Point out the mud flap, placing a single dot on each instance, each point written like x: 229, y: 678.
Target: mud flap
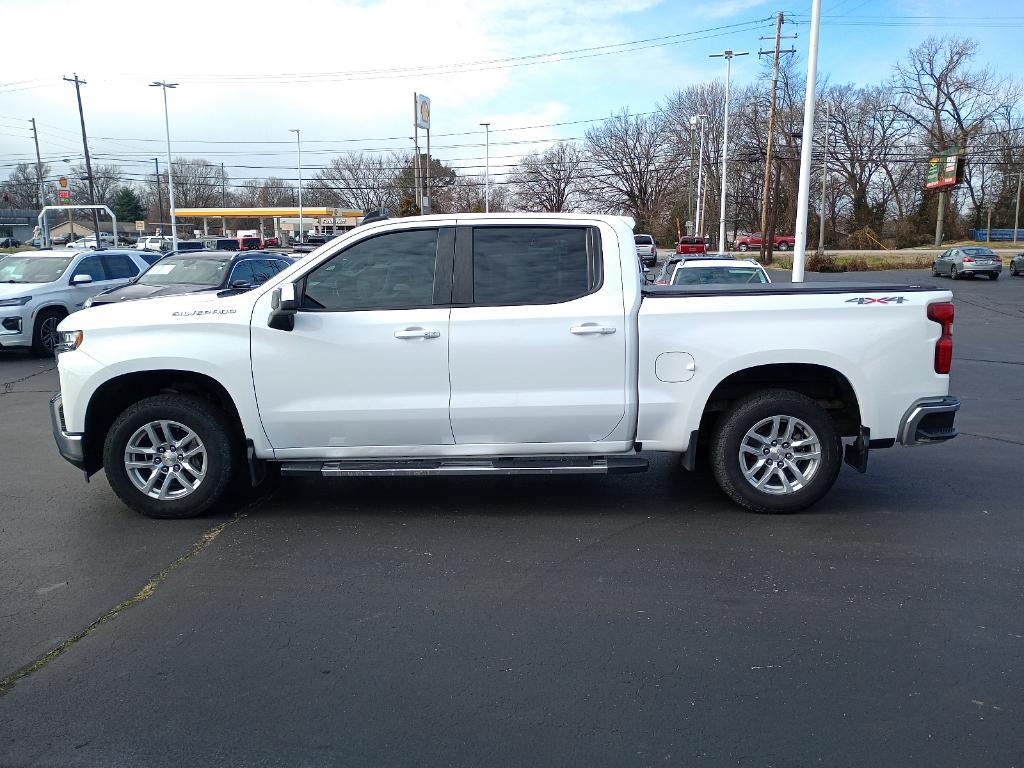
x: 856, y: 453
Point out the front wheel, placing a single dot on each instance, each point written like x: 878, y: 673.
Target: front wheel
x: 744, y: 247
x: 776, y: 451
x: 954, y: 273
x: 171, y: 456
x: 783, y: 246
x: 44, y: 332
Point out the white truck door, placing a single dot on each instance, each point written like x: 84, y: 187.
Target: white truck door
x: 538, y: 336
x: 367, y: 361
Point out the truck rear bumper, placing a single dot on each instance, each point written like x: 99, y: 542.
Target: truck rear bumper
x: 930, y: 421
x: 69, y: 446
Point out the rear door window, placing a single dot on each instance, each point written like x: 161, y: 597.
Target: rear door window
x: 531, y: 265
x: 119, y: 267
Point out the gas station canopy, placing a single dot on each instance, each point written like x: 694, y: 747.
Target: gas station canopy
x: 252, y: 213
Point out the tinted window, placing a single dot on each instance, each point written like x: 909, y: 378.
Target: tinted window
x: 264, y: 269
x: 391, y: 271
x: 643, y: 240
x: 119, y: 267
x: 529, y: 265
x: 242, y: 271
x: 92, y: 267
x: 150, y: 257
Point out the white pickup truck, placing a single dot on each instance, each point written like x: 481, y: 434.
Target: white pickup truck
x: 498, y: 344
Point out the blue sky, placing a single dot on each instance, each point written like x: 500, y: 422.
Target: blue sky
x: 229, y: 66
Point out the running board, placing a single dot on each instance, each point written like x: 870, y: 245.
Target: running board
x: 540, y: 465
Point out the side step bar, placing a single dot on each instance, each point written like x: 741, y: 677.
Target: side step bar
x: 532, y: 465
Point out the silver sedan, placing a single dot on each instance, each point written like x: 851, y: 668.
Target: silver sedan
x: 967, y: 262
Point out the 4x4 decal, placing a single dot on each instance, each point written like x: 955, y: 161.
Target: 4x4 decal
x: 872, y: 300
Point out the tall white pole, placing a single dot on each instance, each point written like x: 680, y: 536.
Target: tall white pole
x: 800, y: 249
x: 170, y: 165
x: 487, y: 167
x: 1016, y: 212
x: 298, y: 144
x: 727, y: 54
x: 700, y: 181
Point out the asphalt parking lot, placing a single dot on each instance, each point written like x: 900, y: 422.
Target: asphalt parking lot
x: 628, y: 620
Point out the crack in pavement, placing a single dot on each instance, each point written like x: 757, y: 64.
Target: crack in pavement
x: 204, y: 541
x: 9, y: 385
x: 990, y: 437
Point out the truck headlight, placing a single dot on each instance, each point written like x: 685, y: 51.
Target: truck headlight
x: 69, y: 341
x: 19, y: 302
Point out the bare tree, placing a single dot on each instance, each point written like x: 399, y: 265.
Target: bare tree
x: 21, y: 189
x: 196, y: 183
x: 549, y: 181
x: 107, y: 180
x: 363, y: 181
x: 635, y: 166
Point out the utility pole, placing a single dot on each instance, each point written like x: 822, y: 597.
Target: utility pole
x: 40, y: 194
x: 689, y: 174
x: 487, y: 167
x: 824, y: 177
x: 223, y: 200
x: 88, y: 162
x: 728, y: 56
x: 159, y: 194
x: 698, y: 223
x: 298, y: 144
x: 804, y: 190
x: 771, y: 126
x: 1016, y: 212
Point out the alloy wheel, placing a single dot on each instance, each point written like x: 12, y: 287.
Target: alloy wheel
x: 780, y: 455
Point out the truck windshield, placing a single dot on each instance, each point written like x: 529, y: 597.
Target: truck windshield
x: 33, y: 269
x: 186, y: 270
x: 718, y: 275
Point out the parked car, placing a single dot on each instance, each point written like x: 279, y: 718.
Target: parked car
x: 9, y: 242
x: 190, y: 245
x: 688, y: 246
x: 310, y: 372
x: 272, y: 242
x: 220, y: 243
x: 719, y: 272
x: 198, y: 271
x: 664, y: 276
x: 968, y: 261
x: 250, y: 244
x: 40, y: 288
x: 154, y: 243
x: 1017, y: 265
x: 646, y: 249
x: 106, y: 240
x: 752, y: 242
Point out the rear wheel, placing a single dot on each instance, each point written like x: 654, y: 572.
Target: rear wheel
x: 783, y: 246
x: 776, y: 451
x: 744, y: 247
x: 1013, y: 270
x: 171, y: 456
x: 44, y: 332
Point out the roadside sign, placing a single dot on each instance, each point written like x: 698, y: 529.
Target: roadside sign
x: 944, y: 169
x: 140, y: 226
x: 63, y: 182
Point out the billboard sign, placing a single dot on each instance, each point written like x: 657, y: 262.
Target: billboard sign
x: 944, y: 169
x: 422, y: 111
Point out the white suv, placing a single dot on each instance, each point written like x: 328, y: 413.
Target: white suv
x: 155, y: 243
x: 39, y: 289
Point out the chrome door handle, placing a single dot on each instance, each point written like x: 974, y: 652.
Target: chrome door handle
x: 587, y: 329
x: 416, y: 333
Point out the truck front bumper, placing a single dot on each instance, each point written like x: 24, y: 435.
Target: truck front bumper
x: 930, y: 421
x: 68, y: 445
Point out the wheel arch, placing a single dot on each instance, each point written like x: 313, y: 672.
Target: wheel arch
x: 828, y: 386
x: 115, y: 395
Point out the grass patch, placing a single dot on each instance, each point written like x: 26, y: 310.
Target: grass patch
x: 873, y: 263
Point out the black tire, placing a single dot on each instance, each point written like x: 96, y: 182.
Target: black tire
x: 744, y: 415
x: 744, y: 247
x: 43, y: 338
x: 935, y: 271
x: 210, y: 425
x: 954, y: 273
x: 1013, y: 270
x: 783, y: 246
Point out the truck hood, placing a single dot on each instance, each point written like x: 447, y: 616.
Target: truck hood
x: 139, y: 291
x: 164, y: 312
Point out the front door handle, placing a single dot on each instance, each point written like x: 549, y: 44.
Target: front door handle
x: 588, y: 329
x: 416, y: 333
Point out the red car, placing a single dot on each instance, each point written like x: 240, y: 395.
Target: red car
x: 691, y: 246
x: 250, y: 244
x: 272, y: 242
x: 753, y: 242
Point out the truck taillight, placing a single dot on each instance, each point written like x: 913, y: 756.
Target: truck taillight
x: 942, y: 313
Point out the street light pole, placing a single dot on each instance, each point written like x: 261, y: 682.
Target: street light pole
x: 800, y: 249
x: 727, y: 55
x: 170, y: 165
x: 298, y: 144
x: 487, y: 167
x: 159, y: 194
x: 1016, y: 212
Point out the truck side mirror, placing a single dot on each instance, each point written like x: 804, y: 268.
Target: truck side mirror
x: 283, y: 306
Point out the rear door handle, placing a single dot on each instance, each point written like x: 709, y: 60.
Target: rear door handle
x: 417, y: 333
x: 589, y: 329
